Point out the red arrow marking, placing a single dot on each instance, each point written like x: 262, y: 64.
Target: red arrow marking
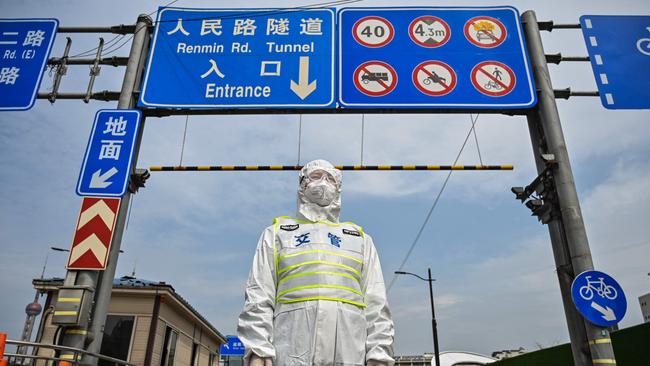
x: 493, y: 78
x: 379, y: 80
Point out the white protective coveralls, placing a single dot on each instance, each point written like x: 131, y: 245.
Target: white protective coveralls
x: 315, y: 293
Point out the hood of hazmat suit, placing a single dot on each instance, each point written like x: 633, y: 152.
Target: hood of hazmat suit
x: 319, y: 192
x: 315, y: 294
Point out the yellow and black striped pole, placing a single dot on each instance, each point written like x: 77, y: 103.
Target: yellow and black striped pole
x: 228, y: 168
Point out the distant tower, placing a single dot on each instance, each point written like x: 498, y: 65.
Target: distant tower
x: 32, y: 310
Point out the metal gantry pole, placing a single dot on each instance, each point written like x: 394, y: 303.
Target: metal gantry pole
x: 128, y: 100
x: 434, y: 323
x: 88, y: 333
x: 590, y: 344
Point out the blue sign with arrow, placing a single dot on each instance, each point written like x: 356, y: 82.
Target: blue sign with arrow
x: 234, y: 347
x: 599, y: 298
x: 25, y: 46
x: 107, y: 164
x: 241, y: 58
x: 433, y: 57
x: 619, y: 51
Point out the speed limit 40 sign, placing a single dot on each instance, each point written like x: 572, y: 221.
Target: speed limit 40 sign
x: 373, y: 31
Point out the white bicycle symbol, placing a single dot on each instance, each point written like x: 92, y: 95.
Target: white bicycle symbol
x: 599, y: 287
x: 643, y: 45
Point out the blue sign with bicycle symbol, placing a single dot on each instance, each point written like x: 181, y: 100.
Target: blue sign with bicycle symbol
x: 599, y: 298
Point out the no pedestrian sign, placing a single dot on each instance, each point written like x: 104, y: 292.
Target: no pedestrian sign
x: 241, y: 58
x: 432, y: 57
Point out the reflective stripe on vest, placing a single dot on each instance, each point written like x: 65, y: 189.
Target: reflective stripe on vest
x: 319, y: 272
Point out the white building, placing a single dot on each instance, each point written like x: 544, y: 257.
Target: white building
x: 644, y: 301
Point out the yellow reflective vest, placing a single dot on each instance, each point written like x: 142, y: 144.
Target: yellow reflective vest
x: 318, y: 261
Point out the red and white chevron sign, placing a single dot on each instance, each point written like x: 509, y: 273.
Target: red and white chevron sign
x: 92, y: 238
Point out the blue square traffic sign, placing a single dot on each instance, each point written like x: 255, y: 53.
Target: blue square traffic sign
x: 241, y: 58
x: 107, y: 164
x: 25, y: 46
x: 619, y: 50
x: 433, y: 57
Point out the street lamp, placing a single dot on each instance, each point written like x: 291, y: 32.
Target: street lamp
x: 434, y: 325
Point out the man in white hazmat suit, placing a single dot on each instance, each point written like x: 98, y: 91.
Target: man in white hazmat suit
x: 315, y: 294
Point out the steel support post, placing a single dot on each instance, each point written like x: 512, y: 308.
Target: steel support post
x: 590, y: 344
x: 128, y: 100
x: 80, y: 335
x: 434, y: 323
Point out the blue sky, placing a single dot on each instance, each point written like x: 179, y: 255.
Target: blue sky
x: 496, y: 286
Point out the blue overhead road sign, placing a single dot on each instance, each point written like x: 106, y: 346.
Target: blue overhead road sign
x: 107, y: 164
x: 25, y: 45
x: 433, y: 57
x: 599, y: 298
x: 234, y: 347
x: 619, y: 50
x: 241, y: 58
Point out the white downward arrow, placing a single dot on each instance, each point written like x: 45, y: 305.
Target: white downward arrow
x: 99, y: 180
x: 100, y: 209
x: 608, y: 313
x: 303, y: 88
x: 91, y: 243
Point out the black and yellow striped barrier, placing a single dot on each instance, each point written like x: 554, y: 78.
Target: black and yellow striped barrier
x: 340, y: 167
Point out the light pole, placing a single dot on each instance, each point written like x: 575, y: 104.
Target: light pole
x: 434, y: 324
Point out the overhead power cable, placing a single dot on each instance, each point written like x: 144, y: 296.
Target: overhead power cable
x: 433, y: 206
x: 248, y: 14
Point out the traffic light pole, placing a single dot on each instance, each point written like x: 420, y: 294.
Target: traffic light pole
x: 590, y: 344
x: 90, y: 333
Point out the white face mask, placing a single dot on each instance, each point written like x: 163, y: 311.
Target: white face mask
x: 320, y: 192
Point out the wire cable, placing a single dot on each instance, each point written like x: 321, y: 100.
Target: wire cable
x: 478, y: 148
x: 187, y: 117
x: 363, y: 122
x: 433, y: 207
x: 299, y: 138
x: 115, y: 39
x: 248, y: 14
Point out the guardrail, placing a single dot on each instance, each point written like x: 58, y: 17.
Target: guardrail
x: 30, y: 353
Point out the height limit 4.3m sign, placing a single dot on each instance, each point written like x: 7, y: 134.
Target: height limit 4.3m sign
x: 241, y: 58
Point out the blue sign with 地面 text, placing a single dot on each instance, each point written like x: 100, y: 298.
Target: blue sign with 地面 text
x: 106, y: 167
x: 619, y: 51
x: 433, y: 57
x: 234, y: 347
x: 241, y: 58
x: 25, y: 45
x: 599, y: 298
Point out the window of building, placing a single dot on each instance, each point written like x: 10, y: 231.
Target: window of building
x: 117, y: 338
x: 195, y: 354
x: 169, y: 347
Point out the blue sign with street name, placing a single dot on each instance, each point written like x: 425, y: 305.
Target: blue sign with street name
x: 107, y: 164
x: 234, y: 347
x: 433, y: 57
x: 241, y: 58
x: 619, y: 51
x: 599, y: 298
x: 25, y: 46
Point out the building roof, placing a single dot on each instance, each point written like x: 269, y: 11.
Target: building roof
x: 127, y: 282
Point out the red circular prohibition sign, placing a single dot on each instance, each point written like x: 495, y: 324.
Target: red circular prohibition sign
x: 495, y: 85
x: 375, y: 74
x: 438, y: 43
x: 429, y: 78
x: 486, y: 34
x: 385, y: 22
